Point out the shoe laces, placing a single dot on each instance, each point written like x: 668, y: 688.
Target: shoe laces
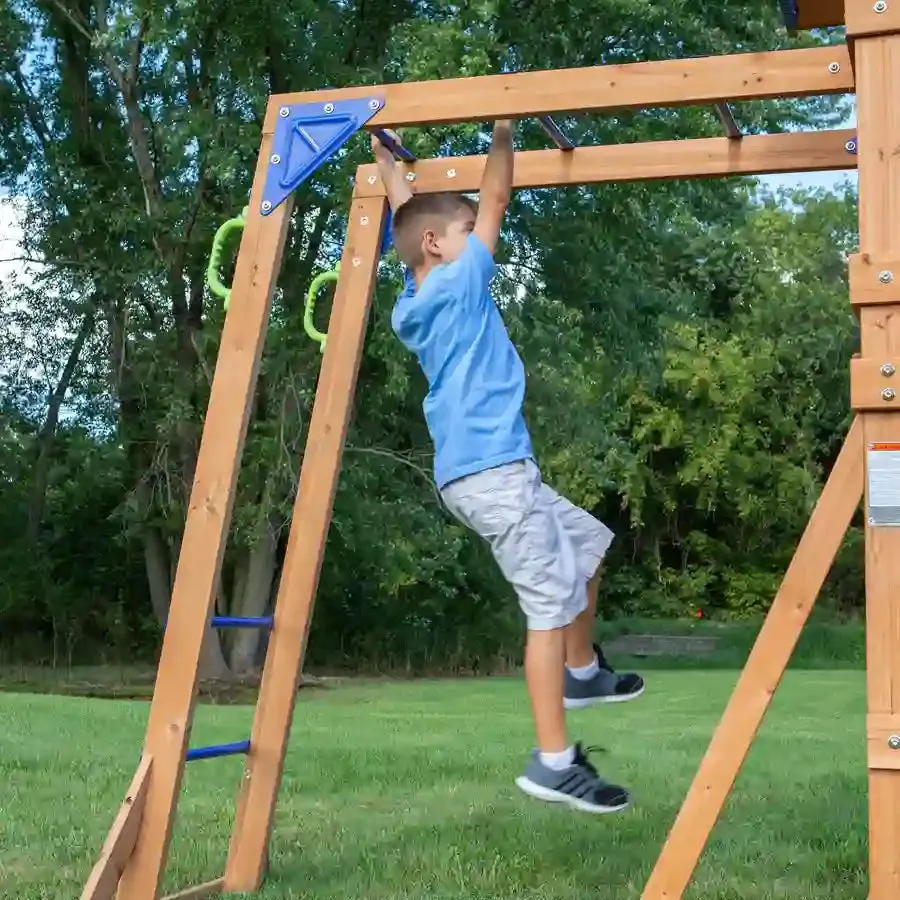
x: 581, y: 757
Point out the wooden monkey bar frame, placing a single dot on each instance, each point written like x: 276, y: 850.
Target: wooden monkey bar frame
x: 133, y: 859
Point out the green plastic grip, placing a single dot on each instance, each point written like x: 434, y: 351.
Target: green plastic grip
x: 310, y: 307
x: 220, y: 241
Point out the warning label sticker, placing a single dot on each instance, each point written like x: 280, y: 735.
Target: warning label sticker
x: 883, y: 470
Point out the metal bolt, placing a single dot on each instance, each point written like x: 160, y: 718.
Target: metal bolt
x: 451, y: 173
x: 894, y: 742
x: 284, y: 112
x: 266, y: 206
x: 356, y: 260
x: 372, y: 179
x: 880, y: 6
x: 888, y: 394
x: 374, y: 104
x: 274, y: 159
x: 834, y: 68
x: 886, y: 277
x: 364, y: 220
x: 410, y: 176
x: 850, y: 146
x: 888, y: 369
x: 329, y: 107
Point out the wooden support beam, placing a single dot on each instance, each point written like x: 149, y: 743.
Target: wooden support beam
x: 808, y: 151
x: 875, y: 384
x: 206, y: 528
x: 820, y: 13
x: 878, y: 116
x: 871, y: 18
x: 874, y: 279
x: 104, y: 879
x: 200, y: 892
x: 675, y: 82
x: 306, y: 544
x: 769, y: 658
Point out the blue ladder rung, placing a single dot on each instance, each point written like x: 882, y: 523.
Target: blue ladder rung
x: 215, y: 750
x: 242, y: 621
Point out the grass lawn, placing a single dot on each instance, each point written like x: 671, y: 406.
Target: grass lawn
x: 405, y: 790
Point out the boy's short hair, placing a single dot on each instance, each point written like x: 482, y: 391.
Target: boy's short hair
x: 422, y: 212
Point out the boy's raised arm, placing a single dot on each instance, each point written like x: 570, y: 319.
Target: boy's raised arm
x: 398, y: 191
x: 496, y: 185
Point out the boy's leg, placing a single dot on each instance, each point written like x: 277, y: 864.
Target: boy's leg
x: 589, y: 678
x: 508, y: 509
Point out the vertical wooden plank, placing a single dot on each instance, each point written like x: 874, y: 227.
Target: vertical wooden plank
x: 878, y: 116
x: 762, y: 673
x: 248, y: 853
x: 205, y: 532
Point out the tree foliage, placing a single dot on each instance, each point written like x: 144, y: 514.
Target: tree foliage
x: 686, y: 342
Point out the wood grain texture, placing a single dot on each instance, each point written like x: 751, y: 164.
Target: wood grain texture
x: 878, y: 116
x: 205, y: 531
x: 675, y: 82
x: 771, y: 653
x: 653, y: 161
x: 103, y: 881
x: 306, y: 544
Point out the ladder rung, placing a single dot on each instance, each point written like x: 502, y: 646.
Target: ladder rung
x: 216, y: 750
x: 556, y: 133
x: 242, y: 621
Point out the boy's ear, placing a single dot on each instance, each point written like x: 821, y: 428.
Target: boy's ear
x: 429, y: 242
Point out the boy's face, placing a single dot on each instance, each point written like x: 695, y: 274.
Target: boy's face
x: 447, y: 246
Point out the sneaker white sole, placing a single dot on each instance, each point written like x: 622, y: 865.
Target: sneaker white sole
x: 584, y: 702
x: 550, y: 796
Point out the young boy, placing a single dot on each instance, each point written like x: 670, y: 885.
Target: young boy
x: 549, y: 550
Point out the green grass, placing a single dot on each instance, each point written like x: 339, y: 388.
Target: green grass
x: 406, y: 791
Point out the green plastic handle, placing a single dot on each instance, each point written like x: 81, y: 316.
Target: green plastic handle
x: 220, y: 241
x: 310, y: 306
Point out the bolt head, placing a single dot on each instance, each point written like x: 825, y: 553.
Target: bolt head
x: 834, y: 68
x: 266, y: 205
x: 894, y: 742
x: 274, y: 159
x: 886, y: 277
x: 284, y: 112
x: 410, y: 176
x: 364, y: 220
x: 850, y: 146
x: 888, y: 369
x: 329, y: 107
x: 888, y: 394
x: 372, y: 179
x: 451, y: 173
x: 374, y: 104
x: 880, y: 6
x: 356, y: 261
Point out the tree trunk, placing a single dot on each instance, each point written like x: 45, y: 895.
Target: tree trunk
x: 255, y: 598
x: 45, y: 438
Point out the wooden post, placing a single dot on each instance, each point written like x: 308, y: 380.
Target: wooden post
x: 765, y: 666
x: 205, y: 532
x: 311, y: 519
x: 877, y: 64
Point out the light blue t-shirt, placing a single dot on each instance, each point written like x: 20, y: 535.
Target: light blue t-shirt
x: 475, y: 377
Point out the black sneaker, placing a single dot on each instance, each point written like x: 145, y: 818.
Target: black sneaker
x: 579, y: 785
x: 607, y: 686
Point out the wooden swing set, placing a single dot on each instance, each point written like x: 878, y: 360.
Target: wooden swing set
x: 301, y: 131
